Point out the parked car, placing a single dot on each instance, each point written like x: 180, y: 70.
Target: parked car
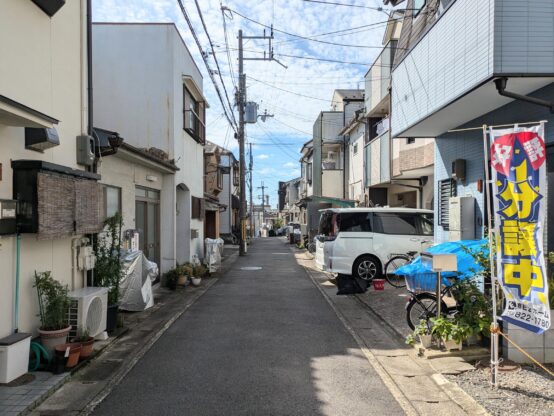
x: 359, y: 241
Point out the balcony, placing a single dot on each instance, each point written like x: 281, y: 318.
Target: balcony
x: 332, y: 184
x: 195, y: 126
x: 446, y: 79
x: 377, y: 81
x: 377, y: 156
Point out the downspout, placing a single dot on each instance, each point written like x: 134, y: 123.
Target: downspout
x: 501, y: 84
x: 390, y: 136
x: 17, y: 274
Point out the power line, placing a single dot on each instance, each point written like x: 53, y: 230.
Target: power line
x: 205, y: 59
x: 227, y: 46
x: 285, y: 90
x: 215, y: 60
x: 306, y: 37
x: 379, y: 9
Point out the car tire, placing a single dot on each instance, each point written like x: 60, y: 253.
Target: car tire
x: 367, y: 267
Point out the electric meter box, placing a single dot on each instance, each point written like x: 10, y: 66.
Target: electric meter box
x: 440, y: 262
x: 8, y: 212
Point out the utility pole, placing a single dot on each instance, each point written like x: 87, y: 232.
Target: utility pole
x: 252, y: 222
x: 263, y: 187
x: 241, y: 104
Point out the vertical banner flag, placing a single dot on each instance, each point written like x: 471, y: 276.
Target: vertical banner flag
x: 518, y: 161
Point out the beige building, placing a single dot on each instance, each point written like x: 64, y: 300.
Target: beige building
x: 43, y: 83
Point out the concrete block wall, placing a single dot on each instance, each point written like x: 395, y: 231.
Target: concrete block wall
x: 540, y: 347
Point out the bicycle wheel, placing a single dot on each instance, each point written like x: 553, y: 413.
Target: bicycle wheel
x: 423, y: 306
x: 390, y: 269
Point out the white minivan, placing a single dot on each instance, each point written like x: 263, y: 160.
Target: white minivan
x: 359, y: 241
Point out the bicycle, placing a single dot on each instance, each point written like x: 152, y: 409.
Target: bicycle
x: 422, y: 304
x: 394, y: 263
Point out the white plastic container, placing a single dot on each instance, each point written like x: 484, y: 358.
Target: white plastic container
x: 14, y: 356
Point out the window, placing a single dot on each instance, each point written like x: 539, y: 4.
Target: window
x: 417, y: 6
x: 356, y: 148
x: 193, y: 116
x: 309, y: 173
x: 410, y: 140
x: 446, y: 189
x: 354, y: 221
x: 235, y: 175
x: 426, y: 224
x: 395, y: 223
x: 197, y: 208
x: 112, y: 200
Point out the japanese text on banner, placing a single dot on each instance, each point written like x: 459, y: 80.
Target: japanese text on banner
x: 518, y: 161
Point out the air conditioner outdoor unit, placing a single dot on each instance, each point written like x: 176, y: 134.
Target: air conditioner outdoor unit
x: 88, y: 310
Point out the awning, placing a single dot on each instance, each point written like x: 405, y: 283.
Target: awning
x: 16, y: 114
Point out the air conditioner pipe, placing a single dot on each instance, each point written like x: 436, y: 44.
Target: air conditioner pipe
x: 501, y: 84
x: 17, y: 275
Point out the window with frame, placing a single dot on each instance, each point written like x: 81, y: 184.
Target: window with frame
x: 194, y: 116
x: 410, y: 140
x: 395, y: 223
x: 309, y: 173
x: 112, y: 200
x: 446, y: 190
x: 417, y: 6
x: 354, y: 221
x: 197, y: 208
x: 235, y: 175
x: 355, y: 148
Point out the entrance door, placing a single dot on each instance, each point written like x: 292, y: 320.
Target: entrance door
x: 147, y: 220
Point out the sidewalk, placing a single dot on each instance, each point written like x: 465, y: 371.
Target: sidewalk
x: 74, y: 393
x: 420, y: 387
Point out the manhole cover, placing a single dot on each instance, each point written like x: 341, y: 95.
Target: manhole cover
x: 251, y: 268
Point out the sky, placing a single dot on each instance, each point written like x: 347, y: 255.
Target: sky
x: 295, y: 95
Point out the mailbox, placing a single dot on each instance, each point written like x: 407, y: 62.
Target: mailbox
x: 439, y: 262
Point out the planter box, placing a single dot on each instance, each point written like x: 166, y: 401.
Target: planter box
x: 14, y: 356
x: 540, y: 347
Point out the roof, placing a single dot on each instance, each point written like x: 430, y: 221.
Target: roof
x: 349, y: 94
x: 381, y: 209
x: 149, y: 155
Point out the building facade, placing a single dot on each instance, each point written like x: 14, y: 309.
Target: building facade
x: 157, y: 103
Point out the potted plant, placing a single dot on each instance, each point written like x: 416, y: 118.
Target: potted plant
x: 450, y: 333
x: 53, y: 301
x: 71, y: 352
x: 423, y: 332
x: 108, y: 270
x: 185, y: 271
x: 199, y: 272
x: 171, y: 277
x: 86, y: 342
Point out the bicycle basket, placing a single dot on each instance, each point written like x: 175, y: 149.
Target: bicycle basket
x: 421, y: 282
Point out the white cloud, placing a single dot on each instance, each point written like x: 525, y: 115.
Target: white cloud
x: 290, y: 165
x: 262, y: 156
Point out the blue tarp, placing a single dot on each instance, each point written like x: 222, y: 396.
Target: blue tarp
x: 467, y: 266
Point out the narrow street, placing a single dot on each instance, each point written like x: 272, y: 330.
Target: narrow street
x: 259, y: 342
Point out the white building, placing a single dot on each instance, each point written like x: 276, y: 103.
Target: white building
x: 43, y: 82
x: 148, y: 88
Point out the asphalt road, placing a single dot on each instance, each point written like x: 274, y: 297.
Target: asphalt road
x: 262, y: 342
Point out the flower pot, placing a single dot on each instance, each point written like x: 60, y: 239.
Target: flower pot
x: 111, y: 318
x: 50, y: 339
x: 378, y: 284
x: 452, y: 345
x: 426, y: 340
x: 196, y: 281
x: 74, y: 353
x: 182, y: 281
x: 86, y: 347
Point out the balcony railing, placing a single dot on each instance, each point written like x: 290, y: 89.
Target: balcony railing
x: 195, y: 126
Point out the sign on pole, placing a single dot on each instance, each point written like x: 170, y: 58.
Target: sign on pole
x: 518, y: 162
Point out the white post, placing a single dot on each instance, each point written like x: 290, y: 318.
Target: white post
x: 494, y: 325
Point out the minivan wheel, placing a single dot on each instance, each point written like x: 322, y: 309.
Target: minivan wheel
x: 366, y: 268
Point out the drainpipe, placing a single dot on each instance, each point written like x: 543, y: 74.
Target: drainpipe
x: 501, y: 84
x: 17, y: 274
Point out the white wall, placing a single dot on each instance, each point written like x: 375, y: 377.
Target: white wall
x: 40, y: 67
x: 356, y: 164
x: 138, y: 92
